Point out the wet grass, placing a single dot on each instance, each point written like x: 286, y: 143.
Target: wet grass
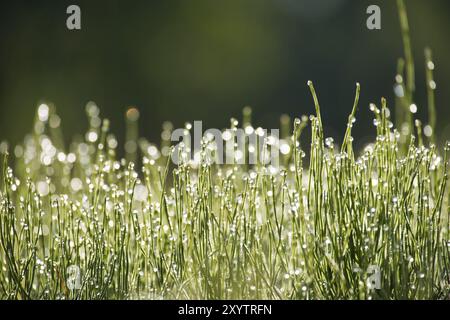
x: 141, y: 227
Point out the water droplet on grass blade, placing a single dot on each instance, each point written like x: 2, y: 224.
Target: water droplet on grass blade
x: 413, y: 108
x: 428, y: 130
x: 398, y: 91
x: 329, y: 142
x: 140, y: 193
x: 43, y: 112
x: 432, y: 84
x: 42, y: 188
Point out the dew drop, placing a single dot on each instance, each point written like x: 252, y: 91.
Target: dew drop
x: 43, y: 112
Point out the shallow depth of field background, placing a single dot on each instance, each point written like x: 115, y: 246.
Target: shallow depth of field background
x: 206, y: 59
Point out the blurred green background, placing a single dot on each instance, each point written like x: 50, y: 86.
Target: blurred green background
x: 206, y: 59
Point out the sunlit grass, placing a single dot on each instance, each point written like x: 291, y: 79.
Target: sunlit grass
x: 311, y: 229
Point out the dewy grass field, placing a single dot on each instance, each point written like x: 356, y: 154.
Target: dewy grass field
x: 330, y: 223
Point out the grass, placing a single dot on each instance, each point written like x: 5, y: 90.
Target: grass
x: 142, y: 228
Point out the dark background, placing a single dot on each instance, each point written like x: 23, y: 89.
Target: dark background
x: 206, y: 59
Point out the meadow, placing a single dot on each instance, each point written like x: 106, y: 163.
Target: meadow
x: 331, y: 222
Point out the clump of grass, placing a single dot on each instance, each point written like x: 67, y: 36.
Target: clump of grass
x: 210, y: 231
